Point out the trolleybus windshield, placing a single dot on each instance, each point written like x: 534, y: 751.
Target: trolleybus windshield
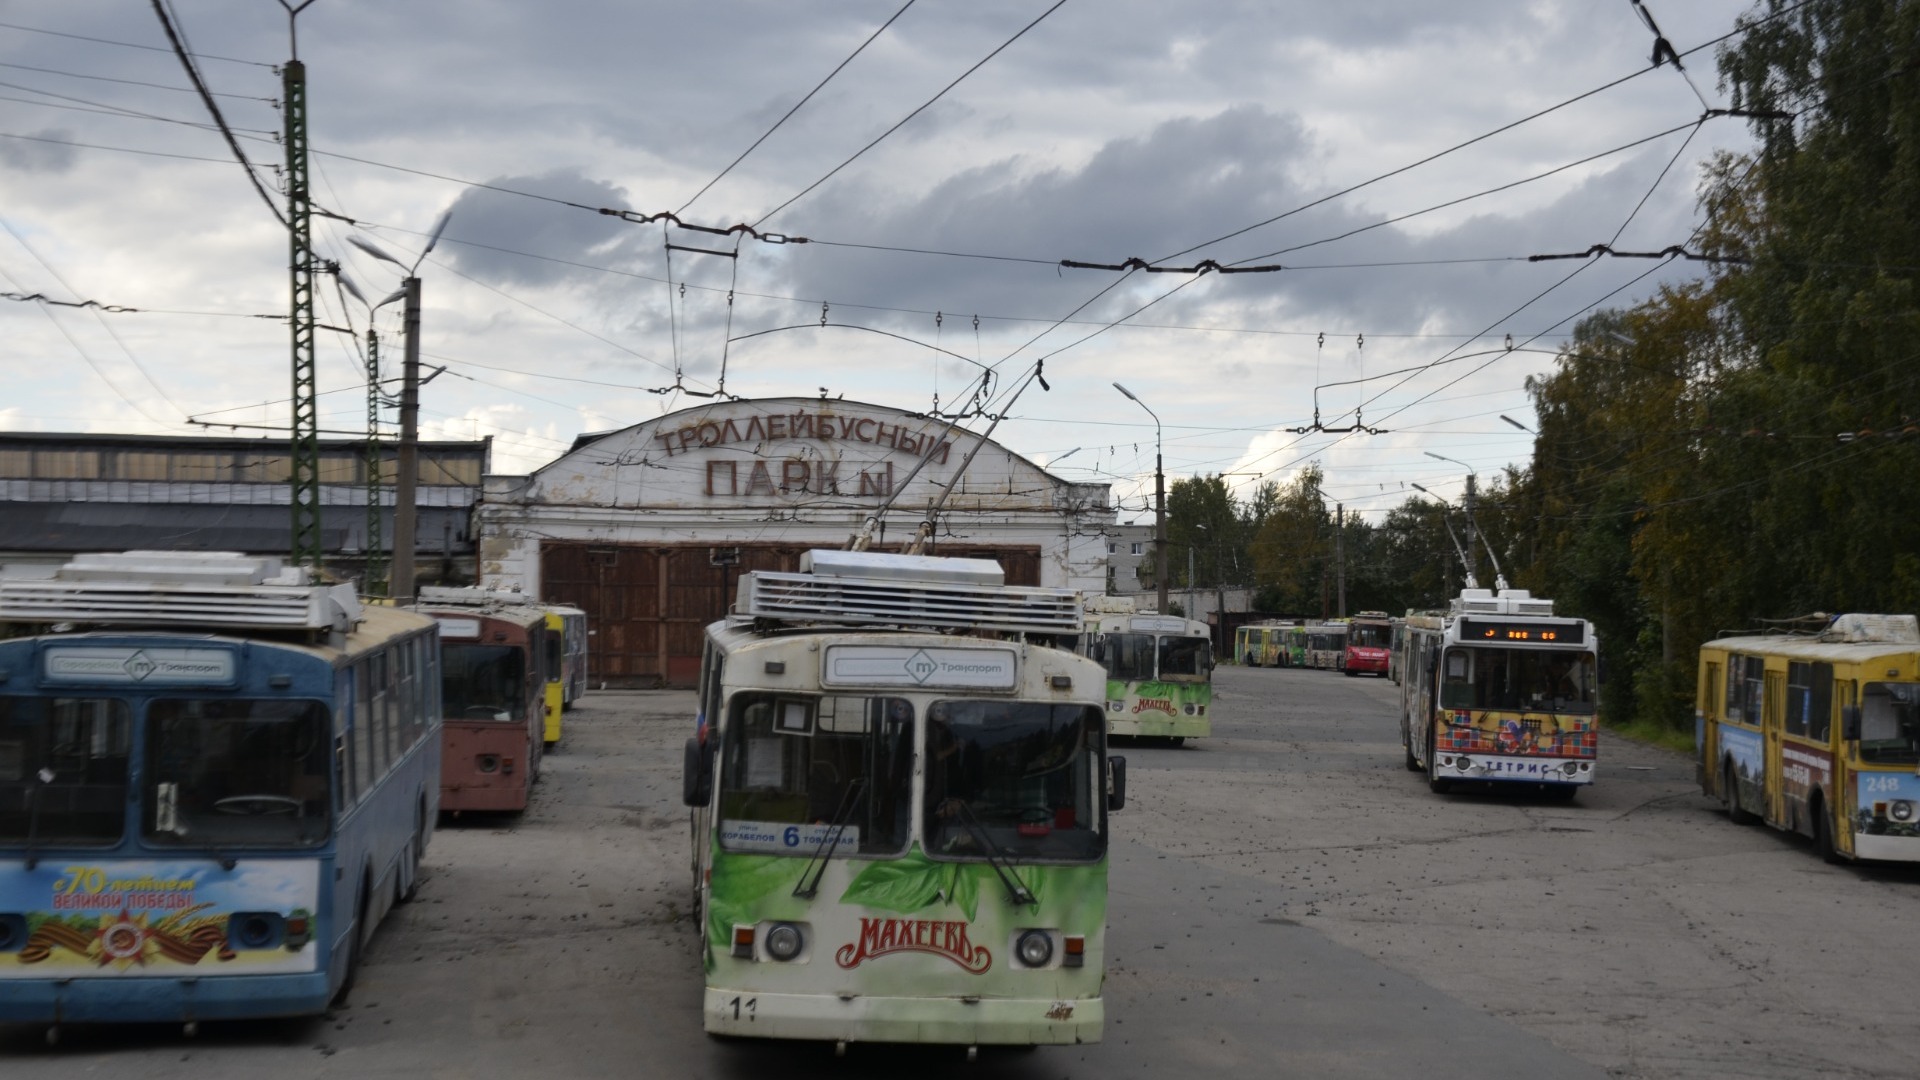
x: 483, y: 682
x: 1542, y: 679
x: 1890, y: 723
x: 63, y: 769
x: 797, y: 768
x: 1185, y: 656
x: 1017, y: 779
x: 1370, y: 635
x: 228, y: 771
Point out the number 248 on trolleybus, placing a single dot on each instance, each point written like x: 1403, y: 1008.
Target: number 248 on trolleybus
x: 1498, y: 689
x: 901, y: 797
x: 215, y: 780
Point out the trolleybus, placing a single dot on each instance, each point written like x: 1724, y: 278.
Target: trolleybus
x: 493, y: 654
x: 1326, y: 646
x: 1260, y: 644
x: 215, y: 779
x: 900, y: 808
x: 1499, y: 689
x: 1369, y: 644
x: 1159, y: 671
x: 566, y: 665
x: 1818, y: 734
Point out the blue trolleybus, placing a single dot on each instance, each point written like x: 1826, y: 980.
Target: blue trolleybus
x: 214, y: 781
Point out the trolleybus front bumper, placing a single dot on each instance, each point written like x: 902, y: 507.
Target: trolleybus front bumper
x: 1458, y: 765
x: 863, y: 1018
x: 141, y: 999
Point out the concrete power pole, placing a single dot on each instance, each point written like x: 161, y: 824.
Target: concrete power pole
x: 405, y: 513
x: 1340, y: 558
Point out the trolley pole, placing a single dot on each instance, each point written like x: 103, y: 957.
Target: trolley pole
x: 1472, y: 533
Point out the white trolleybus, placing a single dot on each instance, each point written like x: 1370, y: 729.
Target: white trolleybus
x: 215, y: 780
x: 1159, y: 670
x: 1498, y: 689
x: 901, y: 798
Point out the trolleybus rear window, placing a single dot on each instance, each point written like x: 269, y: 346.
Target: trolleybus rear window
x: 1016, y: 779
x: 229, y: 771
x: 798, y: 768
x: 63, y: 769
x: 1890, y: 723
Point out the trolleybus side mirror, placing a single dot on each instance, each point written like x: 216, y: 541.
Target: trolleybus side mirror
x: 1116, y: 783
x: 1850, y: 722
x: 696, y: 778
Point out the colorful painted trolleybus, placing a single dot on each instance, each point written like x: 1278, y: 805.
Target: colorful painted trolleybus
x: 1326, y: 646
x: 900, y: 794
x: 1159, y: 671
x: 493, y: 652
x: 215, y: 779
x: 1499, y: 689
x: 1818, y: 733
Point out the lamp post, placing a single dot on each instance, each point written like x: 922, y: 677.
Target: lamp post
x: 406, y: 480
x: 1468, y: 502
x: 1159, y: 503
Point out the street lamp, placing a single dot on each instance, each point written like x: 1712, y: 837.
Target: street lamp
x: 1518, y: 424
x: 1159, y: 503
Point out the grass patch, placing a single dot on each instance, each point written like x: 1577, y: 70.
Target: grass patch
x: 1661, y: 735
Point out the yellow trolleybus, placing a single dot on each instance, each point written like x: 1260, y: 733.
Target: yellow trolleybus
x: 1818, y: 734
x: 900, y: 799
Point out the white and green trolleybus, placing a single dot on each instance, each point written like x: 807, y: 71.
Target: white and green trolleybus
x: 900, y: 790
x: 1159, y: 671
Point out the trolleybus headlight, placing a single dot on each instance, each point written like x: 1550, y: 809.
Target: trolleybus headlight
x: 1463, y: 763
x: 1570, y: 767
x: 1035, y: 948
x: 13, y: 933
x: 1900, y: 810
x: 783, y: 941
x: 255, y: 929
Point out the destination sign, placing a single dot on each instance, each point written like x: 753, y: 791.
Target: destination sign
x: 179, y: 667
x: 1566, y: 632
x: 931, y: 666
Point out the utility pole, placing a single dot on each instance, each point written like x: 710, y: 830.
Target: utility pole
x: 305, y: 466
x: 375, y: 543
x: 1340, y: 558
x: 405, y: 513
x: 1472, y: 532
x: 1190, y: 580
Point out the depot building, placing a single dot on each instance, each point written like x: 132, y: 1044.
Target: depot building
x: 649, y: 527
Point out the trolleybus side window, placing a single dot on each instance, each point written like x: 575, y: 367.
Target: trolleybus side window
x: 1015, y: 778
x: 63, y: 769
x: 1809, y: 700
x: 833, y: 760
x: 248, y: 771
x: 1744, y: 681
x: 1890, y: 723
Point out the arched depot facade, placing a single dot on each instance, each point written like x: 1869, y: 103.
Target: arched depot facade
x: 648, y: 528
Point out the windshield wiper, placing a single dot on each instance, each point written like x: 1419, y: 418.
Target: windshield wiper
x: 830, y: 840
x: 45, y: 777
x: 1017, y: 891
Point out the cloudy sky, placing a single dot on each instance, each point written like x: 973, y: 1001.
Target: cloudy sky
x: 1248, y: 133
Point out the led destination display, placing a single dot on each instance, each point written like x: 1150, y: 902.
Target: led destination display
x: 1570, y: 632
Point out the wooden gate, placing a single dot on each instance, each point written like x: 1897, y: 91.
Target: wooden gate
x: 648, y: 605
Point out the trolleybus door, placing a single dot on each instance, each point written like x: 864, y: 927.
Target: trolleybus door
x: 1773, y: 715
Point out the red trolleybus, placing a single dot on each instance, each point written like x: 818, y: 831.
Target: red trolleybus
x: 493, y: 651
x: 1498, y: 689
x: 215, y: 780
x: 1369, y: 643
